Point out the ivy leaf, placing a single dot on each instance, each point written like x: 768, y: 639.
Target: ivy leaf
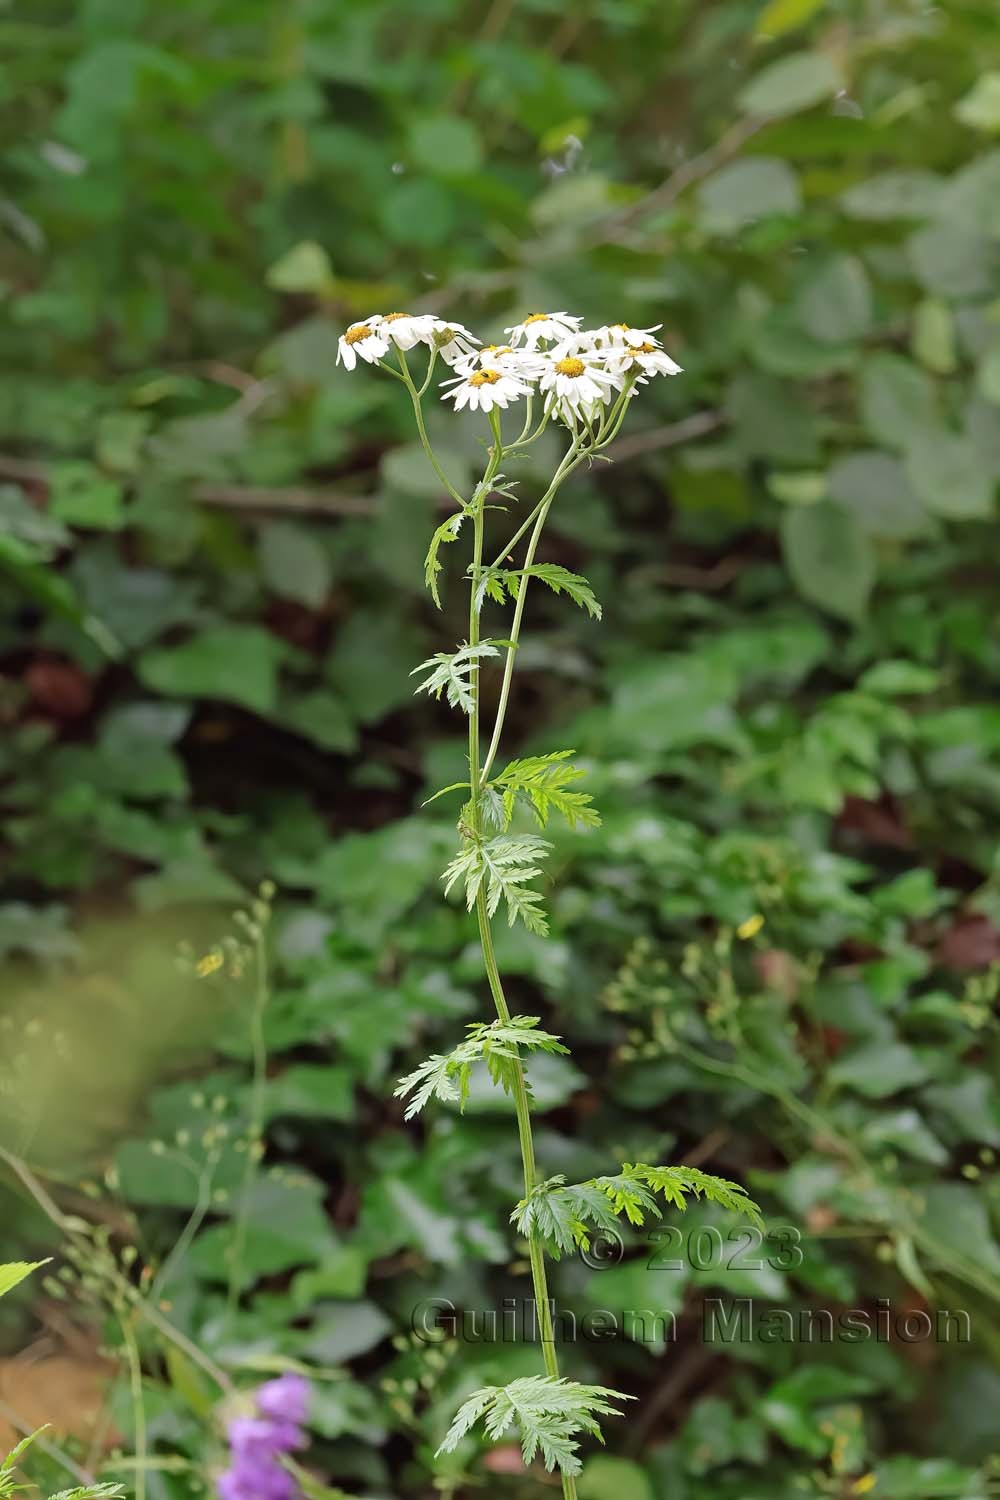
x: 548, y: 1413
x: 543, y: 782
x: 451, y: 674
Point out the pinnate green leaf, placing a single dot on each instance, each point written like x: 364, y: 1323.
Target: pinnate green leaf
x: 549, y: 1414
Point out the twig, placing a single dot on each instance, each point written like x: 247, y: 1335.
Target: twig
x: 695, y: 170
x: 305, y: 501
x: 679, y: 576
x: 697, y: 425
x: 688, y: 1369
x: 494, y: 24
x: 706, y: 1147
x: 227, y: 496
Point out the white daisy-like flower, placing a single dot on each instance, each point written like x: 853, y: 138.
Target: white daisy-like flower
x: 527, y: 364
x: 408, y: 329
x: 577, y: 382
x: 453, y: 341
x: 368, y: 339
x: 638, y: 350
x: 648, y: 357
x: 482, y: 390
x: 554, y: 327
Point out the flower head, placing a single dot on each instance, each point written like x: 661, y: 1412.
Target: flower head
x: 369, y: 339
x: 407, y: 329
x: 285, y: 1399
x: 483, y: 389
x: 453, y: 341
x: 637, y: 350
x: 527, y: 364
x: 544, y: 327
x: 257, y: 1443
x: 577, y: 382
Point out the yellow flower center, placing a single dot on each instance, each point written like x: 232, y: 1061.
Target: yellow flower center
x: 623, y: 326
x: 357, y: 333
x: 484, y: 377
x: 497, y: 349
x: 571, y: 367
x: 646, y: 348
x: 391, y: 317
x: 536, y: 318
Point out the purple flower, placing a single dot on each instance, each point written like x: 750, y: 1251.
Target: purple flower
x: 245, y: 1481
x: 256, y: 1437
x: 257, y: 1443
x: 285, y: 1399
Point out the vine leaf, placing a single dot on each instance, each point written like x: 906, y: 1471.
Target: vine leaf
x: 451, y: 673
x: 561, y: 1214
x: 544, y: 783
x: 504, y: 863
x: 548, y: 1413
x: 446, y: 1077
x: 497, y: 583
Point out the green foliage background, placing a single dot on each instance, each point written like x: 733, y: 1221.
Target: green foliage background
x: 210, y: 604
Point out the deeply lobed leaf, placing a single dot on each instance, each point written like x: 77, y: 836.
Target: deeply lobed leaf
x: 548, y: 1414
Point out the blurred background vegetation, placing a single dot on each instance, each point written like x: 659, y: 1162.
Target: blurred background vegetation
x: 210, y: 601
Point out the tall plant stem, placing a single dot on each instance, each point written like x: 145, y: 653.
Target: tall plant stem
x: 418, y: 414
x: 569, y: 463
x: 255, y: 1131
x: 539, y: 1280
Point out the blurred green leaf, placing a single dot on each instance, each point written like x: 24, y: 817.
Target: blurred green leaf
x: 234, y: 663
x: 294, y: 562
x: 829, y: 557
x: 796, y: 82
x: 446, y: 145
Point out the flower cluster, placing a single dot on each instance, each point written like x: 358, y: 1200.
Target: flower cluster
x: 578, y: 372
x: 258, y: 1443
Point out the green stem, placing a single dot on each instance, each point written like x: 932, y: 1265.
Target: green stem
x: 422, y: 430
x: 569, y: 463
x: 138, y: 1406
x: 820, y: 1126
x: 539, y: 1281
x: 255, y: 1130
x: 119, y: 1282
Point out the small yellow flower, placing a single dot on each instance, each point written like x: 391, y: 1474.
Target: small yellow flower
x: 750, y: 927
x: 210, y: 964
x: 864, y: 1485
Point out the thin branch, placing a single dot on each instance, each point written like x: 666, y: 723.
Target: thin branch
x: 695, y: 426
x: 227, y: 496
x: 303, y: 501
x: 729, y: 144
